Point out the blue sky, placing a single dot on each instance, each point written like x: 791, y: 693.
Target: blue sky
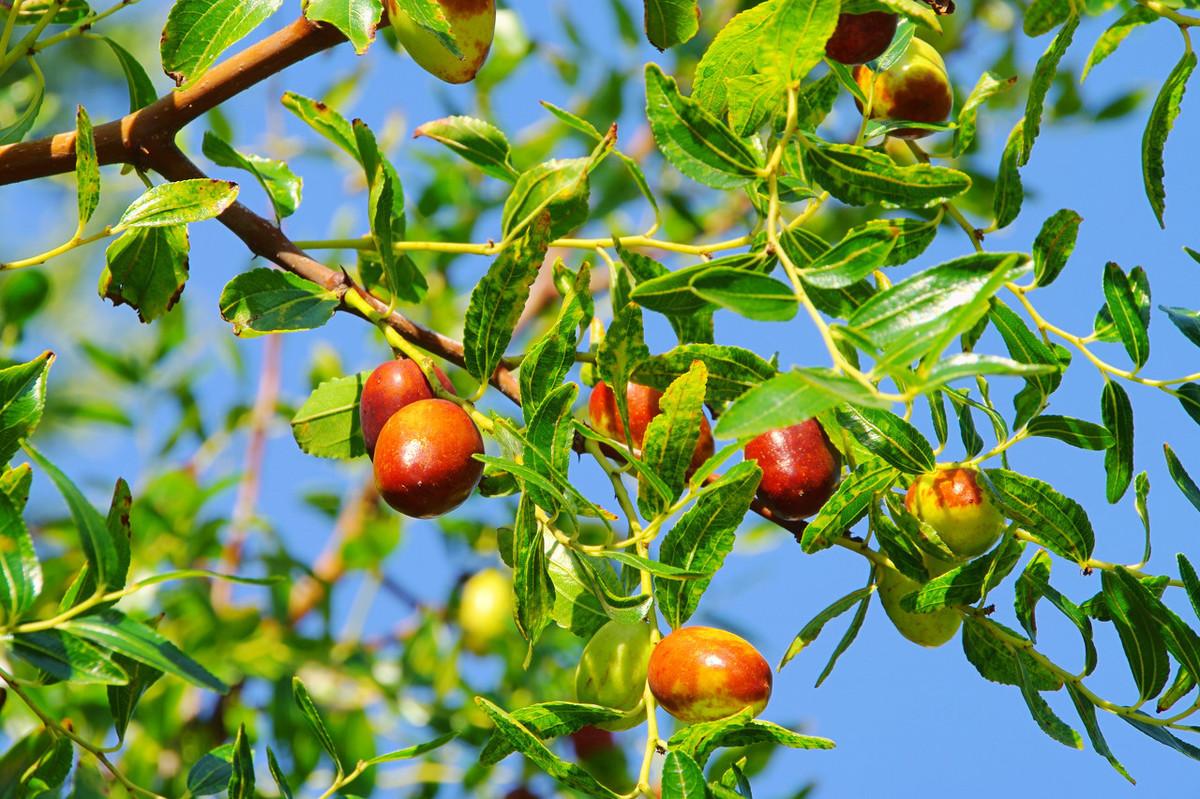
x: 907, y: 721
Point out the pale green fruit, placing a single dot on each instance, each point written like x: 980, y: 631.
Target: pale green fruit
x: 955, y: 504
x: 926, y: 629
x: 472, y: 24
x: 612, y: 672
x: 485, y: 610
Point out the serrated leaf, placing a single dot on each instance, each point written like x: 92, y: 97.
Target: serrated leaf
x: 857, y: 255
x: 1087, y: 714
x: 671, y: 438
x: 1054, y: 244
x: 327, y: 425
x: 750, y: 294
x: 312, y: 715
x: 179, y: 203
x: 789, y: 398
x: 966, y: 584
x: 324, y: 120
x: 731, y: 370
x: 241, y: 777
x: 1046, y: 719
x: 858, y: 176
x: 730, y: 55
x: 1057, y: 522
x: 1122, y: 306
x: 793, y: 40
x: 147, y: 268
x: 281, y: 184
x: 141, y: 90
x: 475, y: 140
x: 1158, y: 126
x: 1009, y: 194
x: 66, y: 657
x: 1117, y: 412
x: 557, y: 188
x: 681, y: 776
x: 1040, y: 83
x: 988, y: 650
x: 264, y: 301
x: 210, y: 774
x: 888, y: 437
x: 848, y: 504
x: 809, y: 632
x: 1181, y: 477
x: 87, y: 167
x: 1112, y: 38
x: 989, y: 85
x: 20, y: 570
x: 699, y: 741
x: 1076, y: 432
x: 532, y: 583
x: 1130, y: 606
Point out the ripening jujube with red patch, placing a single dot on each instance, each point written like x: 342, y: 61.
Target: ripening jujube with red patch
x: 704, y: 674
x: 955, y: 503
x: 801, y: 469
x: 393, y: 385
x: 860, y: 38
x: 914, y: 89
x: 644, y: 405
x: 472, y: 24
x: 424, y: 458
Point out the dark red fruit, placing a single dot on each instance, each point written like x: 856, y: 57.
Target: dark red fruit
x: 643, y: 406
x: 424, y: 464
x: 393, y: 385
x: 800, y: 466
x: 591, y: 741
x: 914, y: 89
x: 860, y: 38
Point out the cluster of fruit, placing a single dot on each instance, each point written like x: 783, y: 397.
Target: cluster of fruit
x: 423, y: 447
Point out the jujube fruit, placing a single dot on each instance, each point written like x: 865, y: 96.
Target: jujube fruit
x: 927, y: 629
x: 589, y: 742
x: 424, y: 458
x: 914, y: 89
x: 958, y: 508
x: 643, y: 403
x: 704, y: 674
x: 612, y: 672
x: 860, y: 38
x: 485, y: 610
x: 472, y: 24
x: 801, y: 469
x: 393, y: 385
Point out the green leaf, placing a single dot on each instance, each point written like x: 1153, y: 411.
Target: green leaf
x: 1161, y: 735
x: 123, y: 699
x: 809, y: 632
x: 1032, y: 585
x: 1189, y: 398
x: 702, y: 537
x: 430, y: 15
x: 179, y: 203
x: 198, y: 31
x: 532, y: 583
x: 527, y: 743
x: 695, y: 142
x: 551, y: 357
x: 1043, y: 16
x: 356, y: 19
x: 681, y: 775
x: 141, y: 90
x: 1180, y: 640
x: 996, y: 659
x: 1158, y: 126
x: 410, y: 752
x: 547, y: 720
x: 281, y: 781
x: 559, y: 188
x: 1056, y: 522
x: 971, y: 364
x: 65, y: 657
x: 789, y: 398
x: 1068, y: 429
x: 99, y: 547
x: 210, y: 774
x: 990, y: 84
x: 1187, y: 321
x: 1087, y: 714
x: 20, y: 570
x: 730, y: 55
x: 22, y: 400
x: 116, y: 631
x: 858, y: 176
x: 671, y: 292
x: 548, y: 441
x: 793, y: 40
x: 930, y: 295
x: 386, y: 214
x: 620, y: 353
x: 699, y: 741
x: 751, y: 294
x: 241, y: 778
x: 1122, y: 306
x: 1112, y: 38
x: 1045, y: 717
x: 1025, y: 347
x: 1040, y: 83
x: 1009, y: 194
x: 848, y: 504
x: 281, y: 184
x: 889, y: 437
x: 16, y: 131
x: 324, y: 120
x: 1182, y: 479
x: 731, y: 370
x: 312, y: 715
x: 475, y: 140
x: 1141, y: 635
x: 48, y: 774
x: 858, y: 254
x: 1117, y: 412
x: 966, y: 584
x: 1054, y: 244
x: 671, y: 22
x: 266, y: 300
x: 87, y: 167
x: 327, y: 424
x: 499, y: 297
x: 147, y: 268
x: 671, y: 438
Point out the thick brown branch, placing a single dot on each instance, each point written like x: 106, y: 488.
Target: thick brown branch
x: 129, y: 139
x: 265, y: 239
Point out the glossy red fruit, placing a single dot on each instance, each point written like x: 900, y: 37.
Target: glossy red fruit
x: 704, y: 674
x: 801, y: 469
x: 424, y: 464
x: 860, y: 38
x: 955, y: 504
x: 393, y: 385
x: 643, y: 406
x: 915, y: 89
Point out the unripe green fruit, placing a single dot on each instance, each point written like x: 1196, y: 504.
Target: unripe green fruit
x: 612, y: 672
x: 953, y: 503
x: 927, y: 629
x: 914, y: 89
x: 472, y: 24
x: 485, y: 610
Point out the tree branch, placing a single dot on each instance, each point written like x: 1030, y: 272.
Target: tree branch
x: 130, y: 140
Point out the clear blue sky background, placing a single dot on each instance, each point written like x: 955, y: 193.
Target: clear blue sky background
x: 908, y: 721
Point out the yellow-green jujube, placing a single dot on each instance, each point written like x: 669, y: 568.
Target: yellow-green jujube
x: 955, y: 504
x: 485, y: 611
x: 927, y: 629
x: 472, y: 24
x: 612, y: 672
